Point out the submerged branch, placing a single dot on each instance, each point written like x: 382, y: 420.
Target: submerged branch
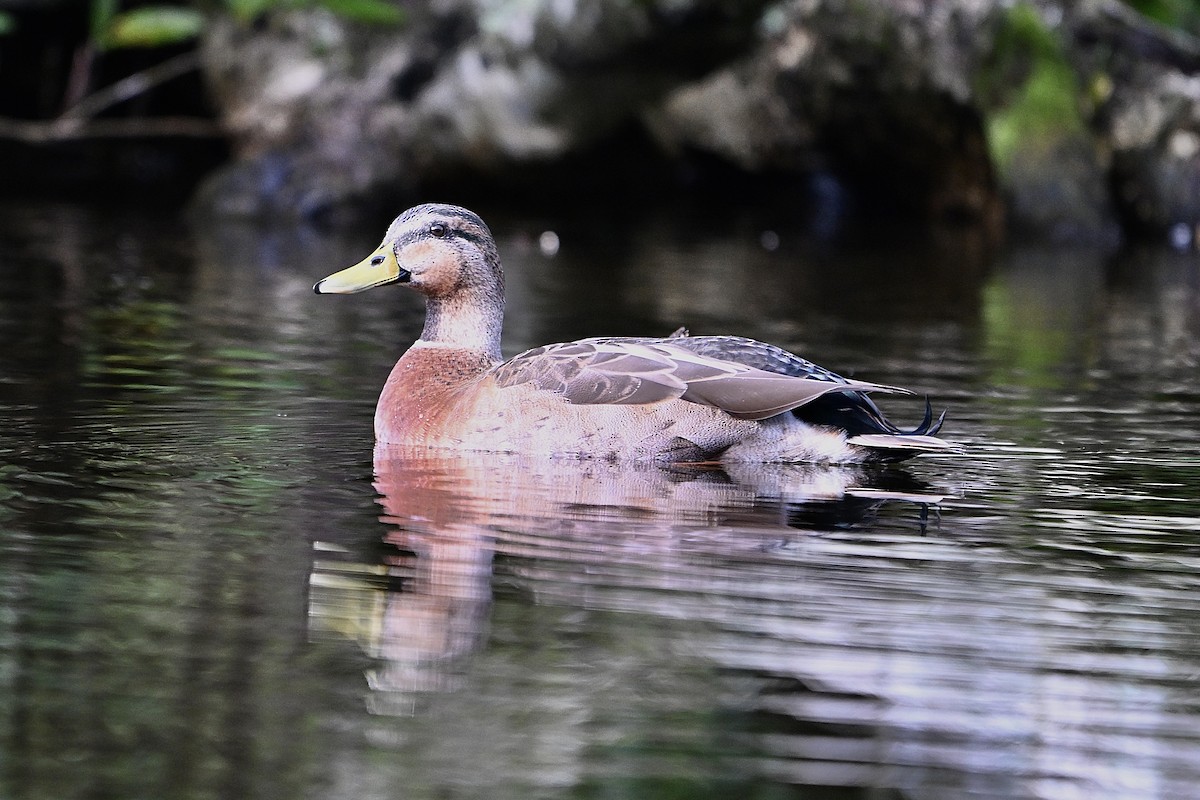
x: 64, y: 130
x: 78, y: 121
x: 138, y: 83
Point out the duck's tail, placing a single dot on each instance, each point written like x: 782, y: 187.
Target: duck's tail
x: 899, y: 446
x: 866, y: 426
x: 848, y: 409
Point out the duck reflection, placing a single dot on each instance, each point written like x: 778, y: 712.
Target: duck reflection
x: 555, y: 528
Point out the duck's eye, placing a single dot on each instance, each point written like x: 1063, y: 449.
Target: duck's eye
x: 377, y: 260
x: 437, y: 230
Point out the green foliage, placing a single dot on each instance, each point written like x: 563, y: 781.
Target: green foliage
x: 161, y: 25
x: 249, y: 10
x: 154, y: 26
x: 1181, y: 14
x: 1030, y: 88
x: 6, y: 23
x: 99, y: 19
x: 371, y: 12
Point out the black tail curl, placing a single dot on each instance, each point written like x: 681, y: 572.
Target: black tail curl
x: 853, y: 412
x: 857, y: 414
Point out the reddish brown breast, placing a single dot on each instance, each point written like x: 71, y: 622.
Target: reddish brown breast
x: 426, y: 392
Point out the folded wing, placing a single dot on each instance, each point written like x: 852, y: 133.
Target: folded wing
x: 633, y: 371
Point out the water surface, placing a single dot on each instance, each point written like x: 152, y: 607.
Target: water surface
x: 212, y: 585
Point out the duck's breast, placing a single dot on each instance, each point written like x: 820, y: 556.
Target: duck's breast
x: 427, y: 394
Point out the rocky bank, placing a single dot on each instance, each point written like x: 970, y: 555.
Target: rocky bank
x: 1069, y: 120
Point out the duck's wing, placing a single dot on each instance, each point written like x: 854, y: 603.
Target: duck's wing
x: 753, y: 353
x: 637, y: 371
x: 750, y: 392
x: 594, y: 373
x: 848, y: 408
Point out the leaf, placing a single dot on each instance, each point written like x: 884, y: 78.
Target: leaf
x: 7, y: 24
x: 100, y: 16
x: 154, y: 26
x: 246, y: 11
x: 374, y: 12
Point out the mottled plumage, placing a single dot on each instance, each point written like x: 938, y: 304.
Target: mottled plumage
x: 672, y: 398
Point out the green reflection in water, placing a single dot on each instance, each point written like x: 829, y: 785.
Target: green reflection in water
x: 1024, y: 342
x: 151, y: 643
x: 1041, y: 315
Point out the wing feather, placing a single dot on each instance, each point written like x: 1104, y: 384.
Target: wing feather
x: 592, y: 373
x: 642, y: 371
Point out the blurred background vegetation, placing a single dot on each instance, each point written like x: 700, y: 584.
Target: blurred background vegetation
x: 152, y: 99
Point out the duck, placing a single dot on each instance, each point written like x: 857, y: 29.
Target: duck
x: 676, y: 398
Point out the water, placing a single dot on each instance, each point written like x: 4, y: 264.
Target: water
x: 211, y: 586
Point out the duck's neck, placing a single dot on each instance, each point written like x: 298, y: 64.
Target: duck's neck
x: 465, y: 323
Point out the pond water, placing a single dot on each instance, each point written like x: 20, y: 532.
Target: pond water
x: 211, y: 585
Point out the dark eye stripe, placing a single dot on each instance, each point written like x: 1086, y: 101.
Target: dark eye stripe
x: 474, y: 238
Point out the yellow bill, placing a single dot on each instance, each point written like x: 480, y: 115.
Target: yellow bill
x: 376, y: 269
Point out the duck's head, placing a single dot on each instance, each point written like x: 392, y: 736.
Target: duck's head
x: 439, y: 250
